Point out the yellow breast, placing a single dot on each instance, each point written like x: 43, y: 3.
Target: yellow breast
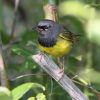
x: 61, y: 48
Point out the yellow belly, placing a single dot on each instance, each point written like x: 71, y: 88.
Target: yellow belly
x: 61, y: 48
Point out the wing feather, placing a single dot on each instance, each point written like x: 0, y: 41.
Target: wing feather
x: 68, y: 35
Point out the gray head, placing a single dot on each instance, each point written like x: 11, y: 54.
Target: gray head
x: 48, y: 26
x: 48, y: 31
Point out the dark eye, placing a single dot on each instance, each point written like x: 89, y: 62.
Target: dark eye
x: 45, y: 27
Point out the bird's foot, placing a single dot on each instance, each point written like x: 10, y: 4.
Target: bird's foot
x: 60, y: 73
x: 41, y: 54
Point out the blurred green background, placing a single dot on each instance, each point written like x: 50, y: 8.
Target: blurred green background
x: 82, y: 63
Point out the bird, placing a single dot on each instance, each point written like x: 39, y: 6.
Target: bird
x: 54, y: 39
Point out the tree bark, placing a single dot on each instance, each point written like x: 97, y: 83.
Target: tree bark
x: 65, y: 82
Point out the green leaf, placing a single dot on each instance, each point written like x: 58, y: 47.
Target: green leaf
x: 29, y: 36
x: 5, y: 94
x: 89, y: 75
x: 5, y: 37
x: 21, y: 51
x: 31, y: 98
x: 19, y: 91
x: 40, y: 96
x: 73, y: 63
x: 76, y: 8
x: 93, y: 30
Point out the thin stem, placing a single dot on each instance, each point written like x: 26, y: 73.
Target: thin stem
x: 52, y: 2
x: 50, y: 10
x: 14, y: 20
x: 3, y: 75
x: 1, y: 15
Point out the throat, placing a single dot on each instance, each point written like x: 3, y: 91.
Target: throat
x: 47, y: 42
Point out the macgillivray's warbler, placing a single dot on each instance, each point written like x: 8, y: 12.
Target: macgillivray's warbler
x: 54, y: 39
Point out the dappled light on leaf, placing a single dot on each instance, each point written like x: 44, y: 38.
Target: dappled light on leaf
x: 31, y: 98
x: 76, y: 8
x: 40, y: 96
x: 19, y: 91
x: 93, y: 30
x: 5, y: 94
x: 89, y: 75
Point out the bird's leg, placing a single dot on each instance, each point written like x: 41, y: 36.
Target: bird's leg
x: 61, y: 64
x: 41, y: 54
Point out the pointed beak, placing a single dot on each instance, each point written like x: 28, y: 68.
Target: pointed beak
x: 35, y: 28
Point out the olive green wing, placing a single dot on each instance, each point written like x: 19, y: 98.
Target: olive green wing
x: 68, y: 35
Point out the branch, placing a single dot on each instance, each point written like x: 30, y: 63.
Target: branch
x: 3, y: 75
x: 14, y: 20
x: 50, y: 12
x: 51, y: 68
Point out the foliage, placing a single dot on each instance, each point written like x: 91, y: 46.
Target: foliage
x: 83, y: 62
x: 19, y: 91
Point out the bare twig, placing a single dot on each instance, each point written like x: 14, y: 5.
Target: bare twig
x: 50, y: 12
x: 51, y: 68
x: 14, y: 20
x: 88, y: 86
x: 27, y: 75
x: 3, y: 76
